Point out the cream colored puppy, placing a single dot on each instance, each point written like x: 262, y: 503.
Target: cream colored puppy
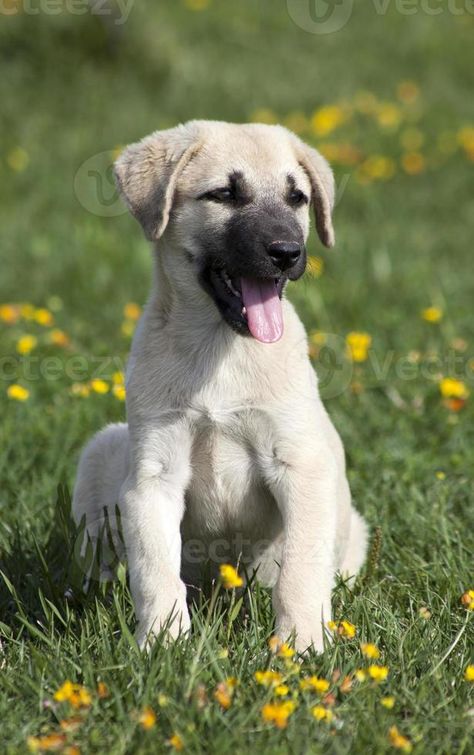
x: 229, y: 454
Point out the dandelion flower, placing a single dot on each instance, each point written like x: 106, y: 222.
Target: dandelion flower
x: 119, y: 392
x: 8, y: 314
x: 315, y: 683
x: 147, y: 718
x: 26, y: 344
x: 281, y: 690
x: 230, y: 577
x: 81, y: 390
x: 224, y: 692
x: 387, y: 702
x: 48, y: 743
x: 322, y: 714
x: 432, y: 314
x: 469, y: 673
x: 453, y: 388
x: 278, y: 713
x: 398, y: 741
x: 361, y: 675
x: 18, y: 392
x: 279, y: 648
x: 58, y: 338
x: 99, y: 386
x: 268, y: 678
x: 18, y: 159
x: 370, y: 650
x: 327, y: 119
x: 343, y: 628
x: 358, y: 345
x: 315, y: 266
x: 468, y: 600
x: 102, y: 690
x: 132, y: 311
x: 43, y: 317
x: 377, y: 673
x: 413, y: 163
x: 74, y: 694
x: 176, y: 742
x: 388, y: 115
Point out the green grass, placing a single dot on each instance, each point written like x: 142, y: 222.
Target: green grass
x: 68, y: 92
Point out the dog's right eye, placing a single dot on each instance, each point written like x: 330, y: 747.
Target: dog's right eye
x: 219, y: 195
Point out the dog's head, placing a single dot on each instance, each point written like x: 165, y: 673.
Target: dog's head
x: 233, y: 203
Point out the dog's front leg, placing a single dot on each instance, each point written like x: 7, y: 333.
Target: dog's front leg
x: 306, y: 495
x: 152, y: 506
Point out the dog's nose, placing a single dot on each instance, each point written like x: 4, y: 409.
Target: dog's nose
x: 284, y: 254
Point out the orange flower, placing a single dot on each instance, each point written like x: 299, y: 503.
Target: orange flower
x: 147, y: 718
x: 278, y: 713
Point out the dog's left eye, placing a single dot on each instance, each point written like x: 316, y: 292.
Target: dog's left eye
x: 297, y: 197
x: 219, y: 195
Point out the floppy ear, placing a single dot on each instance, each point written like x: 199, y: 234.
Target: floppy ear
x: 322, y: 189
x: 147, y: 173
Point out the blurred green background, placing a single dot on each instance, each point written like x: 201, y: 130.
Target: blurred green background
x: 387, y: 97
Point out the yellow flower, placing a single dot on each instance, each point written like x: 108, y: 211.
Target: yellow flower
x: 74, y: 694
x: 377, y: 168
x: 132, y: 311
x: 81, y: 390
x: 358, y: 345
x: 18, y: 159
x: 71, y: 724
x: 278, y: 713
x: 230, y: 577
x: 27, y: 311
x: 322, y: 714
x: 43, y: 317
x: 99, y: 386
x: 387, y: 702
x: 413, y: 163
x: 58, y: 338
x: 315, y: 683
x: 412, y: 139
x: 147, y: 718
x: 440, y: 475
x: 297, y: 122
x: 361, y: 675
x: 281, y: 690
x: 268, y: 678
x: 370, y: 650
x: 119, y: 392
x: 327, y: 119
x: 17, y: 392
x: 176, y: 742
x: 398, y: 741
x: 468, y: 600
x: 224, y: 692
x: 365, y: 102
x: 315, y: 267
x: 102, y: 690
x: 8, y: 313
x: 408, y: 92
x: 128, y: 328
x: 282, y: 649
x: 197, y: 4
x: 465, y: 138
x: 26, y: 344
x: 264, y: 115
x: 388, y: 115
x: 163, y: 700
x: 453, y: 388
x: 48, y: 743
x: 432, y: 314
x: 118, y: 378
x: 469, y: 673
x: 378, y: 673
x: 343, y: 628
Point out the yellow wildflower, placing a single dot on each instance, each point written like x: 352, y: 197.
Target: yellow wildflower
x: 268, y: 678
x: 17, y: 392
x: 412, y: 139
x: 365, y: 102
x: 453, y: 388
x: 440, y: 475
x: 147, y: 718
x: 281, y: 690
x: 197, y: 4
x: 297, y: 122
x: 230, y: 577
x: 408, y: 92
x: 118, y: 378
x: 119, y: 392
x: 224, y: 692
x: 27, y: 311
x: 74, y: 694
x: 176, y: 742
x: 102, y: 690
x: 432, y: 314
x: 163, y: 700
x: 48, y: 743
x: 378, y: 673
x: 465, y: 138
x: 18, y: 159
x: 322, y: 714
x: 264, y: 115
x: 132, y: 311
x: 468, y: 600
x: 278, y: 713
x: 8, y: 313
x: 469, y: 673
x: 43, y: 317
x: 343, y: 628
x: 424, y: 613
x: 370, y: 650
x: 279, y: 648
x: 387, y: 702
x: 378, y: 168
x: 99, y: 386
x: 398, y: 741
x: 388, y: 115
x: 327, y: 119
x: 26, y: 344
x: 358, y: 345
x: 413, y: 163
x: 81, y: 390
x: 315, y: 267
x: 315, y: 683
x: 71, y: 724
x: 361, y: 675
x: 128, y: 328
x: 59, y: 338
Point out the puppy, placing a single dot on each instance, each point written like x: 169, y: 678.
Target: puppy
x: 228, y: 454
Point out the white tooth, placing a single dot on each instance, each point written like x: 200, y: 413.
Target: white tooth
x: 244, y: 310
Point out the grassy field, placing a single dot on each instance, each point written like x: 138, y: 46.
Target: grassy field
x: 388, y: 98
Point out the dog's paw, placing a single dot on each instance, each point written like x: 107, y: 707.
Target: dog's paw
x: 169, y: 626
x: 307, y: 635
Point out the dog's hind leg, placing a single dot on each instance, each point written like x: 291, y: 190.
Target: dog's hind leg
x: 102, y: 469
x: 356, y: 548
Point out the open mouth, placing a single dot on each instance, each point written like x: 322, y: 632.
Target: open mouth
x: 249, y: 305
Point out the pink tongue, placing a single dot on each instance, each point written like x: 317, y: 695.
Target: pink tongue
x: 263, y: 305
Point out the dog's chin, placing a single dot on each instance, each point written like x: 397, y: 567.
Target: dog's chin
x: 226, y: 293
